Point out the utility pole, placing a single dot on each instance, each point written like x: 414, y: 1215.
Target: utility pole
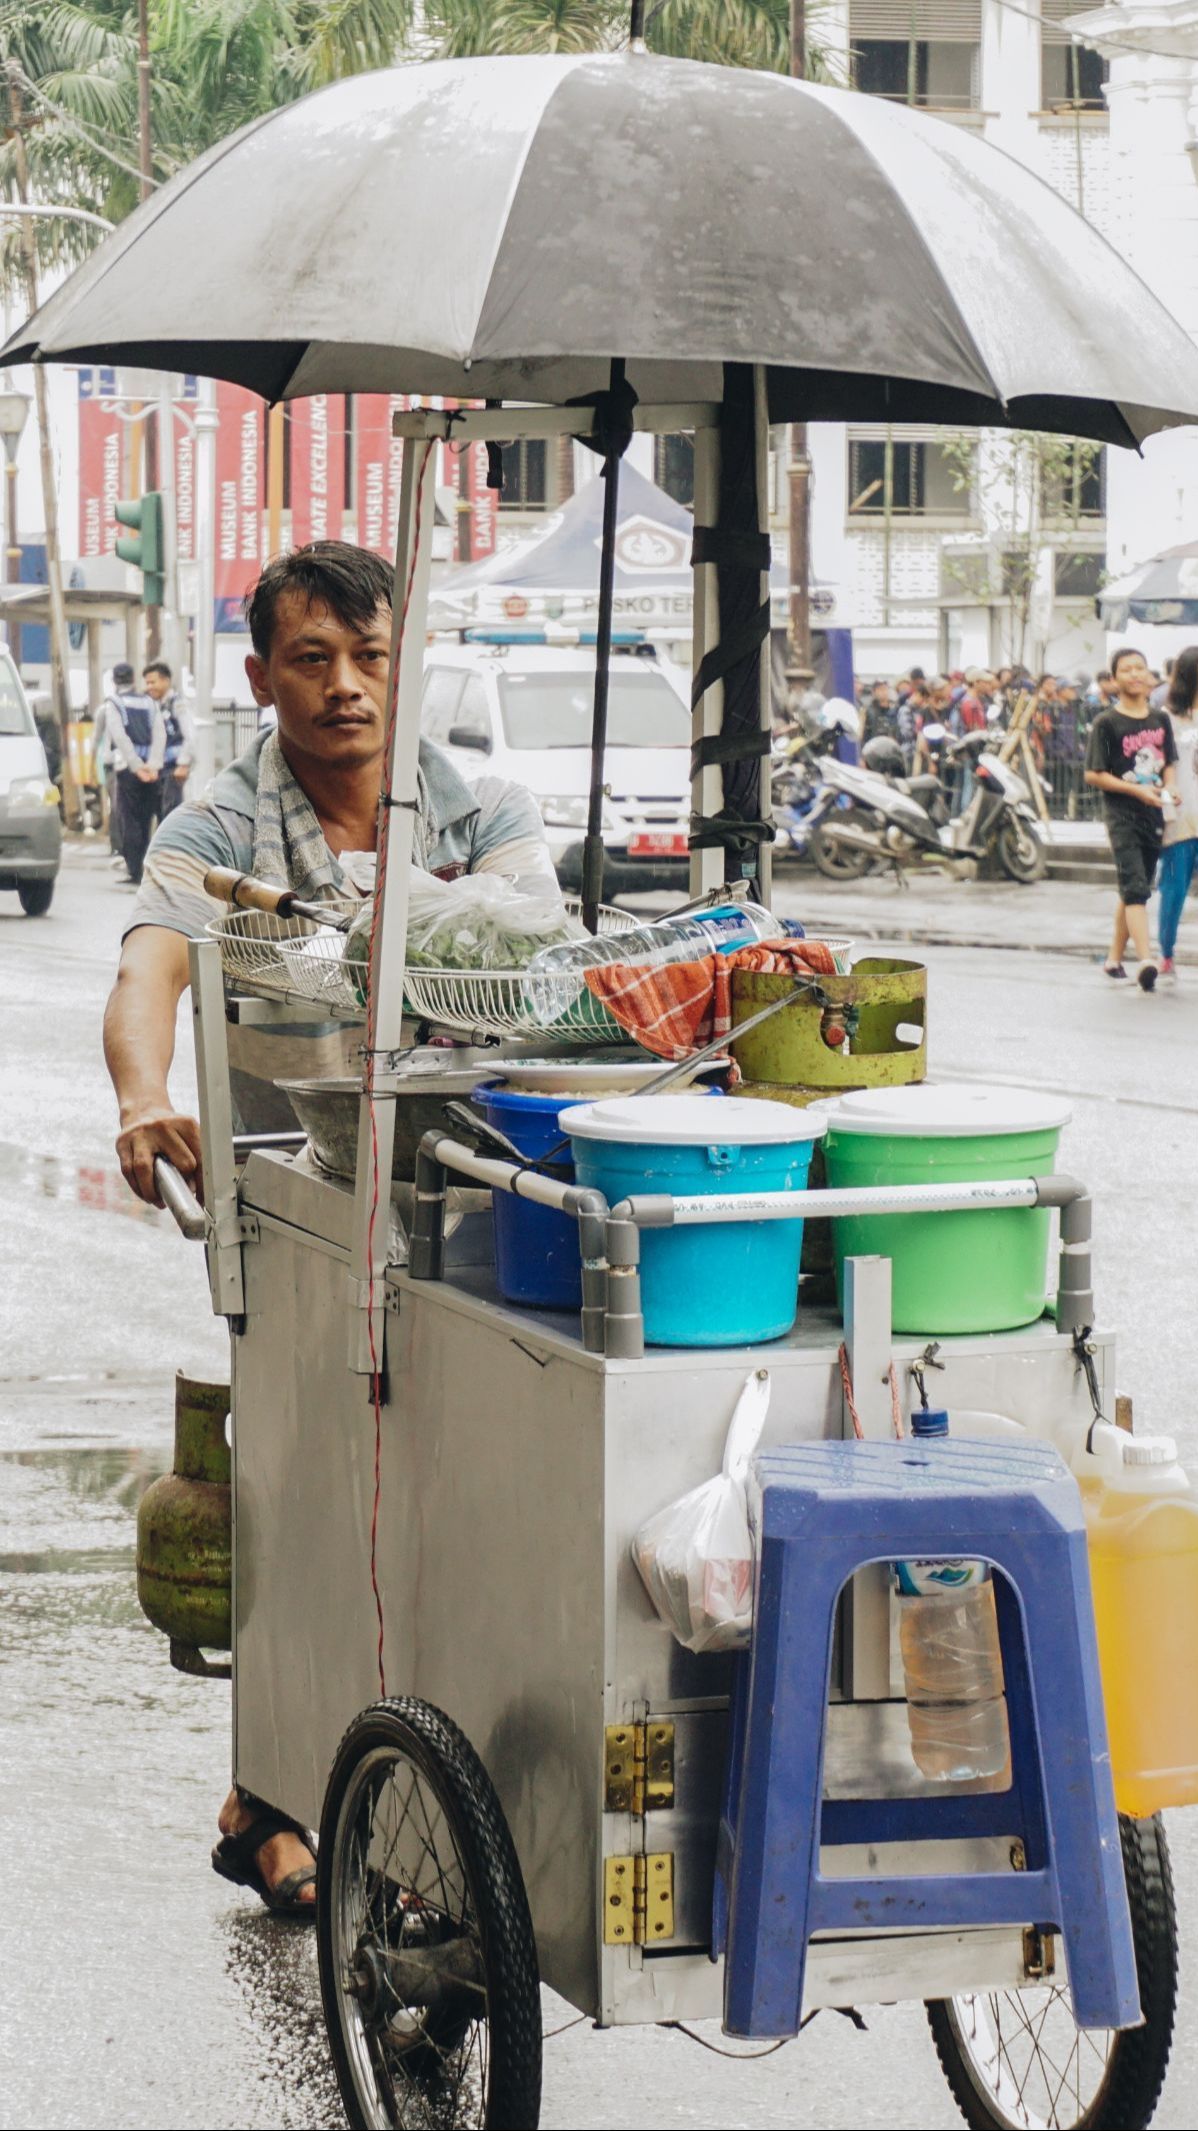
x: 159, y: 434
x: 798, y: 665
x: 59, y: 640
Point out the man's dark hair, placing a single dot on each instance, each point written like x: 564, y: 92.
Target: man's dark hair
x: 1125, y: 651
x: 157, y: 666
x: 1183, y: 682
x: 351, y: 582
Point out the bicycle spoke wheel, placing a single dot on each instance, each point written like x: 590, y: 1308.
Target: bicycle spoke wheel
x: 427, y: 1962
x: 1016, y: 2060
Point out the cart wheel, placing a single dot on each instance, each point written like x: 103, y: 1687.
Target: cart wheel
x: 428, y: 1966
x: 1017, y: 2058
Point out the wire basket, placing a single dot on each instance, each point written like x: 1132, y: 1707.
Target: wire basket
x: 250, y: 944
x: 486, y: 1002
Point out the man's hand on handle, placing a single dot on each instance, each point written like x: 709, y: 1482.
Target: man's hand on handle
x: 159, y: 1131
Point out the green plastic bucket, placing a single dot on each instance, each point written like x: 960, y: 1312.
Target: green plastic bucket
x: 981, y: 1271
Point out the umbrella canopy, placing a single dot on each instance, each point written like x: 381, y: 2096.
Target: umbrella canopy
x: 501, y: 228
x: 1164, y: 590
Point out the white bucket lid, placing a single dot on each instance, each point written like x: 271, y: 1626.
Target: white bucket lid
x: 950, y: 1111
x: 691, y: 1121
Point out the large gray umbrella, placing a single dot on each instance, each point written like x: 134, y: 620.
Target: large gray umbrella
x: 502, y: 228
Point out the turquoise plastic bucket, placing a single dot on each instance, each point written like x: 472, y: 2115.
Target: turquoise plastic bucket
x: 729, y: 1284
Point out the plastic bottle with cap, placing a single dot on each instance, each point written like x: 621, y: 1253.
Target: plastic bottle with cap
x: 1142, y: 1531
x: 555, y: 977
x: 952, y: 1664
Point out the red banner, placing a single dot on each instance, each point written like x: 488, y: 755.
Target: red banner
x: 185, y: 491
x: 239, y: 490
x: 483, y: 501
x: 101, y: 473
x: 317, y: 468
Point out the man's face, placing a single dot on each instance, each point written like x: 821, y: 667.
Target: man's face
x: 327, y: 681
x: 156, y: 685
x: 1133, y: 678
x: 882, y: 695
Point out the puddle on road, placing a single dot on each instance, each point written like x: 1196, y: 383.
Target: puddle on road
x: 214, y: 2002
x: 93, y: 1184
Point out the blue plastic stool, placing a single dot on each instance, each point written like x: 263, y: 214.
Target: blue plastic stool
x: 828, y: 1509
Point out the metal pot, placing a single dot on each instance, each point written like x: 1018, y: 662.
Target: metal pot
x: 328, y: 1112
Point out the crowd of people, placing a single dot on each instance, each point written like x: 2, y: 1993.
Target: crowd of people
x: 925, y: 714
x: 1128, y: 734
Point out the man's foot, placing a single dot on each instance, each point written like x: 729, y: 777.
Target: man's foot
x: 1113, y: 969
x: 1146, y: 976
x: 277, y: 1859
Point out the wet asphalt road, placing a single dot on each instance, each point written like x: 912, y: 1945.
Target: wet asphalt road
x: 135, y: 1987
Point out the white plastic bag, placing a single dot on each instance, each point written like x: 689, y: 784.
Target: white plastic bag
x: 696, y: 1556
x: 479, y: 921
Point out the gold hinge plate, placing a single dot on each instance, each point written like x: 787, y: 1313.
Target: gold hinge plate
x: 638, y: 1767
x: 638, y: 1898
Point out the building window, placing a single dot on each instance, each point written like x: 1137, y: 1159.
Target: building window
x: 1078, y: 574
x: 674, y: 467
x: 926, y: 479
x: 1074, y: 484
x: 918, y: 51
x: 525, y: 475
x: 941, y: 77
x: 1071, y: 75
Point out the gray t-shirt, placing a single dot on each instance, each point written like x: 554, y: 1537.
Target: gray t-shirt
x: 492, y: 826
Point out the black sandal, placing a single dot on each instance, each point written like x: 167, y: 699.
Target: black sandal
x: 235, y: 1857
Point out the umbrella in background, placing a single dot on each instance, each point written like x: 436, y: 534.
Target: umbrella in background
x: 1164, y: 590
x: 600, y: 226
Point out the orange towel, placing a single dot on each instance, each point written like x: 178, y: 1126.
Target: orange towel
x: 677, y: 1007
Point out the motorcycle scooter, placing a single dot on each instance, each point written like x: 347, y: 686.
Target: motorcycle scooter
x: 904, y: 822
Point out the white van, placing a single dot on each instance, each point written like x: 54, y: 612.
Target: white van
x: 524, y: 711
x: 30, y: 828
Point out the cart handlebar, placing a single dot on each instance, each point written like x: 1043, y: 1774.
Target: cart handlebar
x: 180, y: 1201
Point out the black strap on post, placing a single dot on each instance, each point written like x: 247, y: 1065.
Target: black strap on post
x: 611, y: 436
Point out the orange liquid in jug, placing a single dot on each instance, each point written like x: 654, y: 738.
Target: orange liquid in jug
x: 1144, y: 1573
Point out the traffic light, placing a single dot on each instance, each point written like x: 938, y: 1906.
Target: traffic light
x: 145, y: 552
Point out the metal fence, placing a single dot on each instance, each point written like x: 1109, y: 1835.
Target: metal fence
x: 1069, y: 797
x: 236, y: 725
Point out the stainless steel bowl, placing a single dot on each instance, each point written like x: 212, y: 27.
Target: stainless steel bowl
x: 328, y: 1112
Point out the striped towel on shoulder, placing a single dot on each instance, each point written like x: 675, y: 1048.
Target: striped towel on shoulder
x: 679, y: 1006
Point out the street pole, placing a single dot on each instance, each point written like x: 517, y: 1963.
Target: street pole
x: 59, y: 641
x: 798, y: 668
x: 12, y: 554
x: 207, y: 421
x: 159, y: 439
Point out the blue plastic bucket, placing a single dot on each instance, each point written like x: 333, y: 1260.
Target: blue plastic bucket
x: 729, y: 1284
x: 537, y: 1259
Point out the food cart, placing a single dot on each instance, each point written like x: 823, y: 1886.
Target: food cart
x: 442, y: 1654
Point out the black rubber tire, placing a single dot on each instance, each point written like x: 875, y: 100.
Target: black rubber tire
x: 35, y: 897
x: 1021, y: 855
x: 837, y: 862
x: 1139, y: 2056
x: 427, y: 1739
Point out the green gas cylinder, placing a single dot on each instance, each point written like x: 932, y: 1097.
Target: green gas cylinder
x: 184, y: 1534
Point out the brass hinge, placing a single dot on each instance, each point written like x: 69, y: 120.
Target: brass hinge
x: 638, y: 1899
x: 1039, y: 1953
x: 638, y: 1767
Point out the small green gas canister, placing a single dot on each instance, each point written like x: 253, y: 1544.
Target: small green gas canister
x: 185, y: 1536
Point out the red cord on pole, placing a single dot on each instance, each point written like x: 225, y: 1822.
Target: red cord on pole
x: 376, y: 1388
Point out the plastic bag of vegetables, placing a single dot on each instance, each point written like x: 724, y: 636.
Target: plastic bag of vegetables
x: 479, y: 921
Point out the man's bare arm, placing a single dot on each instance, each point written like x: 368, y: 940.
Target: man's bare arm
x: 139, y: 1043
x: 1106, y: 781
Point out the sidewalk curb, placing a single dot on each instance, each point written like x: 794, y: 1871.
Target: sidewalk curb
x: 926, y: 936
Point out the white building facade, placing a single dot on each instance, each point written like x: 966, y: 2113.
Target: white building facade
x: 950, y: 552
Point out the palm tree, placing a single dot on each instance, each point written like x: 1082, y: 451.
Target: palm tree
x: 740, y: 33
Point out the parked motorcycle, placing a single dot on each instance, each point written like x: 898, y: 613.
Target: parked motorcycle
x: 904, y: 822
x: 795, y: 786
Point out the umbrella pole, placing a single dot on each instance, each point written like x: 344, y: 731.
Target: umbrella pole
x: 592, y: 850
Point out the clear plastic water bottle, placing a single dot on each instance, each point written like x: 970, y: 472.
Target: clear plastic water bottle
x: 952, y: 1664
x: 555, y: 977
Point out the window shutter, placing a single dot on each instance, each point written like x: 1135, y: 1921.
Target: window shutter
x: 1053, y: 13
x: 925, y: 21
